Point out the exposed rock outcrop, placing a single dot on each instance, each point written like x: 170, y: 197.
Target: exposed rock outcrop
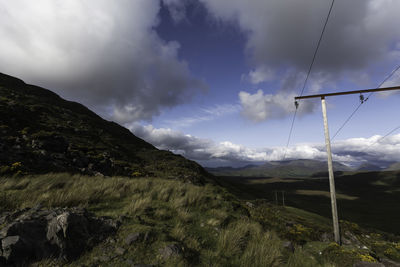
x: 33, y: 234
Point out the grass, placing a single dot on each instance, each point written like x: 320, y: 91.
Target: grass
x: 212, y: 226
x: 324, y: 194
x: 367, y: 198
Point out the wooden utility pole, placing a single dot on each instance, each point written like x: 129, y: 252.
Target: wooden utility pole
x: 331, y: 176
x: 335, y: 218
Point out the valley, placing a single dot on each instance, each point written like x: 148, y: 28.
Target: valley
x: 367, y: 198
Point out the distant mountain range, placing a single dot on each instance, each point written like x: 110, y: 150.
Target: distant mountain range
x: 295, y: 168
x: 393, y: 167
x: 286, y: 168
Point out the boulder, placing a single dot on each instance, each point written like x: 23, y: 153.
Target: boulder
x: 132, y: 238
x: 13, y: 247
x: 170, y: 250
x: 34, y: 234
x: 69, y: 232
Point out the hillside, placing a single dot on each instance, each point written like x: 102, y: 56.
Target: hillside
x: 41, y: 132
x: 164, y: 222
x: 287, y: 168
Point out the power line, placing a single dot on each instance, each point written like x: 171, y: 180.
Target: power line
x: 316, y: 50
x: 363, y: 101
x: 290, y: 134
x: 308, y: 75
x: 386, y: 135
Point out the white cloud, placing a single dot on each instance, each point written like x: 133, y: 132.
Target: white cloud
x: 205, y: 114
x: 104, y: 53
x: 261, y: 74
x: 177, y: 9
x: 259, y: 106
x: 373, y: 150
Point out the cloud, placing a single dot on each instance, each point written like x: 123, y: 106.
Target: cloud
x: 259, y: 106
x: 351, y: 151
x: 205, y: 114
x: 286, y: 32
x: 282, y: 35
x: 105, y: 53
x: 177, y: 9
x: 261, y: 74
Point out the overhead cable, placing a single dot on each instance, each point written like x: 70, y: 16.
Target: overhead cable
x: 308, y: 75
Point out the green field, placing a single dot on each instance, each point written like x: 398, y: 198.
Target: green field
x: 370, y: 199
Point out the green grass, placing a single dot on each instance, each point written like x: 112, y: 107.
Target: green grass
x: 212, y: 226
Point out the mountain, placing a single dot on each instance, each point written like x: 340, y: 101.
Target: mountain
x: 287, y: 168
x: 41, y: 132
x: 368, y: 167
x: 393, y: 167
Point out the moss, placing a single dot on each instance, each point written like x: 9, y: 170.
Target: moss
x: 16, y: 166
x: 136, y: 174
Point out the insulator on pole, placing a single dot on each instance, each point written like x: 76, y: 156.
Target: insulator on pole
x: 296, y: 104
x: 362, y: 99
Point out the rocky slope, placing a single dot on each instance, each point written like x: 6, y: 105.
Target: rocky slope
x: 41, y: 132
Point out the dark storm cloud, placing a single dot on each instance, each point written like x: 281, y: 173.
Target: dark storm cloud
x: 103, y: 53
x: 286, y: 32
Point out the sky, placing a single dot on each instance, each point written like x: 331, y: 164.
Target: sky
x: 215, y: 80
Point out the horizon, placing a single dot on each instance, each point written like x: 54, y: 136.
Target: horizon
x: 215, y: 81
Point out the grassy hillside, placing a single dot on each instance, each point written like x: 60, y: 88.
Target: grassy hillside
x: 287, y: 168
x: 206, y: 225
x: 41, y: 132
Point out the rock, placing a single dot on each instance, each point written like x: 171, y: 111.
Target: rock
x: 132, y: 238
x: 99, y: 174
x: 288, y: 246
x: 325, y: 237
x: 68, y: 231
x: 34, y: 234
x: 13, y: 247
x: 368, y: 264
x: 104, y: 258
x: 250, y: 205
x: 120, y: 251
x: 389, y: 263
x: 170, y: 250
x: 348, y: 238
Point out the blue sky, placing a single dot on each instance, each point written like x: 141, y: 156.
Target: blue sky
x: 214, y: 80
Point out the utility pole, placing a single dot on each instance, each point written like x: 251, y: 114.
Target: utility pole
x: 331, y: 176
x: 335, y: 218
x: 283, y: 198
